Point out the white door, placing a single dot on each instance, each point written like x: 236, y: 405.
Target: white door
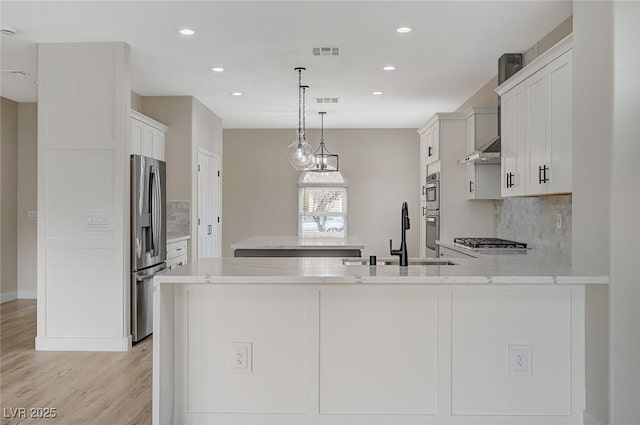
x: 209, y: 242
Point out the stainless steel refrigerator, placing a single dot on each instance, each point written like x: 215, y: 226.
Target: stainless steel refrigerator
x: 148, y: 238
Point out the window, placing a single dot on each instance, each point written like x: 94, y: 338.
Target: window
x: 322, y: 205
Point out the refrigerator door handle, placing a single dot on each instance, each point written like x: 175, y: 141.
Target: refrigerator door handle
x: 157, y: 210
x: 152, y: 209
x: 150, y: 275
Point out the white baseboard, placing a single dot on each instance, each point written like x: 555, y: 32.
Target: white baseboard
x: 83, y: 344
x: 587, y: 419
x: 8, y: 296
x: 27, y: 295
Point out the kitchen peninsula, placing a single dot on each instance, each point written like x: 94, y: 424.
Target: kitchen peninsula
x: 311, y: 341
x: 292, y: 246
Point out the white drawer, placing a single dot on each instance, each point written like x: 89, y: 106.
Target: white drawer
x: 176, y: 262
x: 176, y: 249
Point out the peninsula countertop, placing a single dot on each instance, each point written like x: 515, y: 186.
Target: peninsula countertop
x: 499, y: 269
x: 294, y: 242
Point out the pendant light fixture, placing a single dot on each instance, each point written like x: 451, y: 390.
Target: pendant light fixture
x: 323, y: 158
x: 300, y: 152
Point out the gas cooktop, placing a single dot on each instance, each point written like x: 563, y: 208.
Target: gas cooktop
x: 488, y: 243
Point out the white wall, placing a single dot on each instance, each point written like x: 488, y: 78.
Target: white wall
x: 260, y: 188
x: 27, y: 198
x: 8, y: 219
x: 83, y: 169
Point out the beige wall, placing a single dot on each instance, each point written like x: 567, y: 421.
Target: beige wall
x: 27, y: 198
x: 592, y: 134
x: 486, y: 96
x: 8, y: 218
x: 176, y: 113
x: 136, y: 101
x: 260, y: 186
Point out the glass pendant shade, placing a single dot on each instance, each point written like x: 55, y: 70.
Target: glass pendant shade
x: 300, y: 153
x: 323, y: 159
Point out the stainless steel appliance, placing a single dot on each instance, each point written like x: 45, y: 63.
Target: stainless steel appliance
x: 148, y: 238
x: 489, y: 153
x: 490, y: 246
x: 432, y: 192
x: 488, y: 243
x: 433, y: 233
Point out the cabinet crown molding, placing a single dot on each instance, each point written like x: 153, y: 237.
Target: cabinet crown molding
x: 441, y: 116
x: 537, y: 64
x: 149, y: 121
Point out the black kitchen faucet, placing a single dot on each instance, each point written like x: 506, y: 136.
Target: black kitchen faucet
x: 402, y: 252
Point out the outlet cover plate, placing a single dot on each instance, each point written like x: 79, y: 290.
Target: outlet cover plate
x: 241, y: 357
x: 520, y: 360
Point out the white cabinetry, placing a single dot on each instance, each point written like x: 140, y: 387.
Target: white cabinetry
x: 430, y: 139
x: 536, y: 125
x: 513, y: 142
x: 147, y: 136
x: 176, y: 254
x: 483, y: 179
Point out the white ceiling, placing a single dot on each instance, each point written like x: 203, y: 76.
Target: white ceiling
x: 451, y: 53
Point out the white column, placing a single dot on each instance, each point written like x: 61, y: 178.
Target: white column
x: 83, y: 191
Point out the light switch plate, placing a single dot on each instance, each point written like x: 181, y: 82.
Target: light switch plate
x: 96, y: 220
x: 32, y: 215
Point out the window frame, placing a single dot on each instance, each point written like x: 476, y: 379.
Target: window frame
x: 302, y: 185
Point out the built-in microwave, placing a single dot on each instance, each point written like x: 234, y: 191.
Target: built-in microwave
x: 432, y: 192
x: 432, y: 230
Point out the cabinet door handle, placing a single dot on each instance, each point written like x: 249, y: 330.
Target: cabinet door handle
x: 424, y: 190
x: 470, y: 186
x: 540, y: 174
x: 544, y: 174
x: 506, y: 180
x: 424, y: 211
x: 429, y: 150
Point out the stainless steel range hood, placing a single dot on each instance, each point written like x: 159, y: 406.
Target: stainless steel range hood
x: 486, y: 154
x: 489, y: 153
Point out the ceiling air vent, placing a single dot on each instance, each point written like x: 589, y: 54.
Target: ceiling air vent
x: 326, y: 51
x: 327, y: 100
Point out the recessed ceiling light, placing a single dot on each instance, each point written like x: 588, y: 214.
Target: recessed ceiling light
x: 403, y: 30
x: 236, y: 93
x: 389, y: 68
x: 377, y: 93
x: 217, y: 69
x: 186, y: 31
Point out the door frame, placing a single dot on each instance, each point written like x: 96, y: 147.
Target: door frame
x: 218, y: 225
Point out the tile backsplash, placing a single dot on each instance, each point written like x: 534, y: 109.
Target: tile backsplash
x: 533, y: 220
x: 178, y: 218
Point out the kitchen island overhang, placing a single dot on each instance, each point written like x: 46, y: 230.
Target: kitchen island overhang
x: 327, y: 343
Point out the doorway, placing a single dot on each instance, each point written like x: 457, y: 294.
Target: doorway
x: 209, y: 190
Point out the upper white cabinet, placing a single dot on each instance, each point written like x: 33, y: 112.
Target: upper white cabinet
x: 536, y: 125
x: 430, y: 138
x: 483, y: 179
x: 147, y: 136
x: 513, y: 142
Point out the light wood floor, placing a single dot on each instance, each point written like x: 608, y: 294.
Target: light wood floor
x: 85, y: 388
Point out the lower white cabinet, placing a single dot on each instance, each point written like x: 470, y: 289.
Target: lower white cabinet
x: 176, y: 254
x: 147, y: 136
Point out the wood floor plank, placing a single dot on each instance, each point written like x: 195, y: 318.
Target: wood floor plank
x: 84, y: 387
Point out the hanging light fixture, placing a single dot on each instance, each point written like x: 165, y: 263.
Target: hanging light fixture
x: 300, y: 152
x: 323, y: 158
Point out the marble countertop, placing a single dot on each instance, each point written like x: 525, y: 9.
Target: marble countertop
x: 293, y: 242
x: 177, y: 238
x: 497, y: 269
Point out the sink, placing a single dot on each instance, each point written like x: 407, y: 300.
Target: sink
x: 388, y: 261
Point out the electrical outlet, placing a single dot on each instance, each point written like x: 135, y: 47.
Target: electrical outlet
x: 240, y: 356
x: 559, y: 221
x: 520, y: 357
